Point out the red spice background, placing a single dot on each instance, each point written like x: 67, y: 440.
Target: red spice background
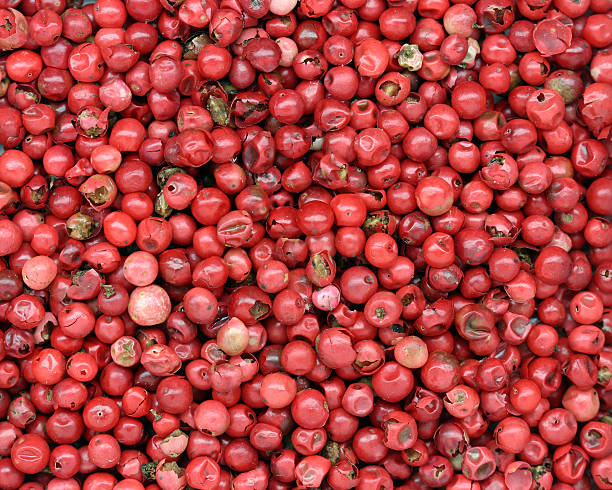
x: 335, y: 244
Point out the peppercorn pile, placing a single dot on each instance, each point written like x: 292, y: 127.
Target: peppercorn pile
x: 334, y: 244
